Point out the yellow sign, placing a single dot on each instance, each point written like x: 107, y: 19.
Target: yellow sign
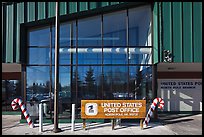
x: 102, y: 109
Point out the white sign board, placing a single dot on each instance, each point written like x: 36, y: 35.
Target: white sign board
x: 181, y: 94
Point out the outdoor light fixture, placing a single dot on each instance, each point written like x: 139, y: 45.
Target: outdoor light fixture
x: 167, y: 56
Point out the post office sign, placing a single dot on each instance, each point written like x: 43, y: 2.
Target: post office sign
x: 102, y: 109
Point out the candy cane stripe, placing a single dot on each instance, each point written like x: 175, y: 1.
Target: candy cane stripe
x: 158, y: 100
x: 153, y: 105
x: 27, y: 117
x: 30, y: 123
x: 23, y: 109
x: 17, y: 100
x: 15, y: 108
x: 149, y: 115
x: 152, y: 109
x: 146, y: 123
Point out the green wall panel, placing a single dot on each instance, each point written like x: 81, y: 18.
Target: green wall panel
x: 72, y: 7
x: 103, y: 4
x: 63, y: 8
x: 167, y: 26
x: 83, y: 6
x: 93, y: 5
x: 177, y: 31
x: 41, y: 10
x: 31, y: 11
x: 20, y: 19
x: 113, y: 3
x: 182, y: 30
x: 187, y: 32
x: 51, y: 9
x: 9, y: 34
x: 197, y: 33
x: 155, y: 32
x: 3, y: 31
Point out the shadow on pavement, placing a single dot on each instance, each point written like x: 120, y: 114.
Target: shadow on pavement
x: 175, y: 118
x: 8, y: 127
x: 169, y: 116
x: 165, y: 122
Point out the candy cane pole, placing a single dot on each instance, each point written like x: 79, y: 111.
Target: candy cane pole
x: 149, y: 114
x: 23, y: 109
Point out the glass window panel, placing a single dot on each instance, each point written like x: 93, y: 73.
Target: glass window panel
x: 135, y: 82
x: 67, y: 34
x: 65, y: 94
x: 140, y: 26
x: 39, y: 56
x: 11, y: 89
x: 39, y: 37
x: 75, y: 81
x: 140, y: 84
x: 76, y: 90
x: 140, y: 55
x: 89, y: 79
x: 64, y: 56
x: 38, y: 79
x: 65, y: 39
x: 115, y: 81
x: 67, y: 56
x: 89, y: 31
x: 115, y: 56
x: 64, y: 91
x: 89, y: 55
x: 114, y: 28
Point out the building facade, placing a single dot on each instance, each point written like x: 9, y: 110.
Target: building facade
x: 107, y: 50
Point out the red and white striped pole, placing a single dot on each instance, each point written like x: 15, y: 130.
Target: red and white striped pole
x: 23, y: 109
x: 149, y: 114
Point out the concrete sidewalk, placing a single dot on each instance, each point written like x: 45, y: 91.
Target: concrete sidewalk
x: 92, y: 129
x: 162, y: 127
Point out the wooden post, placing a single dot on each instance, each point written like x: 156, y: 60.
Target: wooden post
x: 141, y: 124
x: 84, y: 124
x: 113, y: 124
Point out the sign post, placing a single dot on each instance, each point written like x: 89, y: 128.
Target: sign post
x: 113, y: 124
x: 84, y: 124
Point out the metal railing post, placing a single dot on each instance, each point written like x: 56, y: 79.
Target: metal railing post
x: 73, y: 116
x: 41, y: 117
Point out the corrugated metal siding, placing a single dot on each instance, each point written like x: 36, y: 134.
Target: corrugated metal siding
x: 72, y: 7
x: 180, y: 31
x: 41, y: 10
x: 166, y: 26
x: 197, y: 31
x: 177, y: 31
x: 9, y: 33
x: 83, y: 6
x: 31, y: 11
x: 63, y: 8
x: 20, y: 19
x: 3, y: 31
x: 51, y: 9
x: 187, y: 32
x: 93, y: 5
x: 155, y: 33
x: 103, y: 4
